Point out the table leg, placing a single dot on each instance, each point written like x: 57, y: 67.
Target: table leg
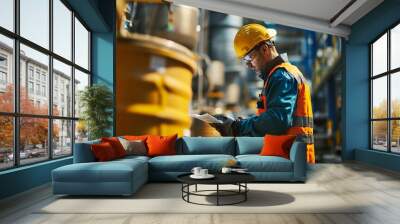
x: 188, y: 192
x: 245, y: 193
x: 182, y: 189
x: 217, y: 194
x: 196, y: 188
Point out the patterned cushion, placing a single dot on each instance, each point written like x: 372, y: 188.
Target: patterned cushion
x: 134, y: 147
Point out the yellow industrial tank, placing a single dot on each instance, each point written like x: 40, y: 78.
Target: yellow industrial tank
x: 153, y: 85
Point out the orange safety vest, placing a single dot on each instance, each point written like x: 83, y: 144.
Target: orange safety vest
x: 303, y: 115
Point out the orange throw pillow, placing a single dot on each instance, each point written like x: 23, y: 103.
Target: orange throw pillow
x: 277, y: 145
x: 116, y: 145
x: 161, y: 145
x: 103, y: 152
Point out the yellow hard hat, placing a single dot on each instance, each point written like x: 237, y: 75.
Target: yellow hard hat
x: 249, y: 36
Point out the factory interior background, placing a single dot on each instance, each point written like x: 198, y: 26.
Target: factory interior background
x: 199, y: 73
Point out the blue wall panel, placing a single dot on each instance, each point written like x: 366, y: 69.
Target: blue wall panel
x: 103, y: 57
x: 103, y: 62
x: 24, y: 178
x: 356, y: 101
x: 91, y: 13
x: 377, y: 158
x: 356, y: 85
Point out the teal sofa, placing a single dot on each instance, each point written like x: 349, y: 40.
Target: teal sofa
x: 125, y: 176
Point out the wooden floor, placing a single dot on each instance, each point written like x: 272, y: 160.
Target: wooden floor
x: 377, y: 188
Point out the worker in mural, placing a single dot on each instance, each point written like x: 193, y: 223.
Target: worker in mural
x: 284, y: 105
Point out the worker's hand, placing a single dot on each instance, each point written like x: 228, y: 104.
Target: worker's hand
x: 224, y: 128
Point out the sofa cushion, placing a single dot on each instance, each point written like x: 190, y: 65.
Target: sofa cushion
x: 103, y: 152
x: 134, y: 147
x: 131, y: 158
x: 277, y: 145
x: 135, y: 137
x: 249, y: 145
x: 117, y: 146
x: 208, y: 145
x: 185, y: 163
x: 161, y: 145
x: 257, y: 163
x: 83, y: 152
x: 112, y: 171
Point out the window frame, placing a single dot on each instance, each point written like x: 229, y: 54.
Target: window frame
x: 16, y: 114
x: 388, y: 74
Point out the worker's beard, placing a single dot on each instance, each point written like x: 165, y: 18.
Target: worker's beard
x: 258, y: 73
x: 262, y: 71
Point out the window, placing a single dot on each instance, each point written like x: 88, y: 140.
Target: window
x: 62, y: 74
x: 81, y: 45
x: 30, y: 87
x: 3, y: 71
x: 385, y: 95
x: 3, y: 78
x: 3, y: 61
x: 44, y: 91
x: 41, y: 83
x: 30, y: 72
x: 33, y: 148
x: 7, y: 14
x: 34, y: 21
x: 6, y: 71
x: 37, y: 74
x: 81, y: 81
x: 43, y: 77
x: 62, y: 29
x: 7, y: 142
x: 62, y: 140
x: 38, y: 89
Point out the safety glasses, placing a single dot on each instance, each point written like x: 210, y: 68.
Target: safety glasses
x: 246, y: 60
x: 250, y: 56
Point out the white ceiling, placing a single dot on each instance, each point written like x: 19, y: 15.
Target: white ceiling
x: 317, y: 15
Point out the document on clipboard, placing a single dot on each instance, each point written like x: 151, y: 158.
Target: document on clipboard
x: 207, y: 118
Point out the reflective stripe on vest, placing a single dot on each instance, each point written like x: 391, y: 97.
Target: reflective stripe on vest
x: 302, y: 125
x: 303, y: 121
x: 309, y: 139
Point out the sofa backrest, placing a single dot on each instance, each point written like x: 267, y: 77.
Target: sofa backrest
x: 249, y: 145
x: 190, y: 146
x: 83, y: 152
x: 206, y: 145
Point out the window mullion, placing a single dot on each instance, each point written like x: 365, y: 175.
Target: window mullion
x: 73, y: 82
x: 389, y: 92
x: 389, y: 106
x: 50, y: 77
x: 16, y: 84
x: 371, y: 89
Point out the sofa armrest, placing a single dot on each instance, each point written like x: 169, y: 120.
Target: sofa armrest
x: 298, y: 157
x: 83, y: 152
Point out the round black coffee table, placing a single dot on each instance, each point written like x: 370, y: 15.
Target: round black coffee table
x: 238, y: 179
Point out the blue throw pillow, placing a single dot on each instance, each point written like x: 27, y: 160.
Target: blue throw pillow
x: 249, y: 145
x: 208, y: 145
